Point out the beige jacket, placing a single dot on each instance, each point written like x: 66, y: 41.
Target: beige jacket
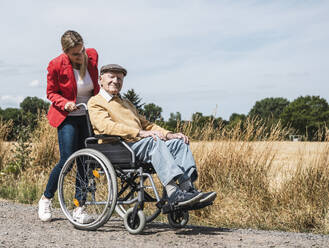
x: 118, y: 117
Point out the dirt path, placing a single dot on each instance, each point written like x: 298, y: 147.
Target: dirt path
x: 20, y: 227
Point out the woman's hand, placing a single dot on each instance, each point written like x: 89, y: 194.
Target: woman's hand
x: 144, y: 134
x: 177, y: 136
x: 70, y: 106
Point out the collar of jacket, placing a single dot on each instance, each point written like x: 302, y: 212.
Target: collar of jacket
x: 108, y: 97
x: 68, y: 70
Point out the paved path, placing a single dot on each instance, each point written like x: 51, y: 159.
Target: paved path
x: 20, y: 227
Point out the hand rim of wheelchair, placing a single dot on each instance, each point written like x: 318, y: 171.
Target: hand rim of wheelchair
x: 110, y: 174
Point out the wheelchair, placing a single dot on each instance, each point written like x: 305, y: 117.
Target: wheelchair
x: 105, y: 177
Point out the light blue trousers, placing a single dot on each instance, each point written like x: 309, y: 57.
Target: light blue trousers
x: 171, y: 159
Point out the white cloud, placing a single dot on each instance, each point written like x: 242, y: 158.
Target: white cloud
x: 35, y: 83
x: 7, y: 101
x: 184, y: 55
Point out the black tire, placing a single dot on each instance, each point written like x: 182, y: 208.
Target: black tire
x: 178, y: 218
x: 136, y: 226
x: 97, y: 187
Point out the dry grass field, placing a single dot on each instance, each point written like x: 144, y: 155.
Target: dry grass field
x: 262, y: 181
x: 286, y: 156
x: 270, y: 184
x: 293, y: 155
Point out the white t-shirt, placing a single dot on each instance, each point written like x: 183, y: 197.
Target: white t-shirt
x: 85, y: 89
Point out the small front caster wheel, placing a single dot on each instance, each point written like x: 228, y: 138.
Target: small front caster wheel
x: 178, y: 218
x: 134, y: 225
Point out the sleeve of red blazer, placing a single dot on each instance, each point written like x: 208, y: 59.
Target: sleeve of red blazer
x: 53, y: 92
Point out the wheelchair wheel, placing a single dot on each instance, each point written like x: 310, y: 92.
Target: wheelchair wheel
x: 134, y: 225
x: 178, y: 218
x: 88, y: 180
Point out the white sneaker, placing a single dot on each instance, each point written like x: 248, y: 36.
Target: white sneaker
x: 44, y: 210
x: 81, y: 216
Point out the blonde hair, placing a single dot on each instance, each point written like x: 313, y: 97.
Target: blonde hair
x: 71, y: 39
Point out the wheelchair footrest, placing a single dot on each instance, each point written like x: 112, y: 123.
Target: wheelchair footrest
x: 167, y: 208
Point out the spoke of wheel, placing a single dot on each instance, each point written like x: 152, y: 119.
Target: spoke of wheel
x: 79, y: 177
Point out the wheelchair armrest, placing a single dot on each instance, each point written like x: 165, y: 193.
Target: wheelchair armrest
x: 106, y: 136
x: 96, y: 138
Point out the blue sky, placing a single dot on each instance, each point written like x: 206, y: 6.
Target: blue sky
x: 189, y: 55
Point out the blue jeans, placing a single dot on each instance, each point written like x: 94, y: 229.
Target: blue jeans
x: 171, y: 159
x: 71, y: 136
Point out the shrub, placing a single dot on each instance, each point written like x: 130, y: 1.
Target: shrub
x: 5, y: 128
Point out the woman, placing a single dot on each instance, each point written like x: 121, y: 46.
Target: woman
x: 72, y: 78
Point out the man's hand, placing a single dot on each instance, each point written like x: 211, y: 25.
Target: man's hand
x: 177, y: 136
x: 70, y: 106
x: 153, y: 134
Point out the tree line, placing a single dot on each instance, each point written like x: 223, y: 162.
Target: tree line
x: 307, y: 116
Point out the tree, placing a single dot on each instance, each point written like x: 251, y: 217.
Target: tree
x: 152, y: 112
x: 306, y: 115
x: 34, y: 105
x: 197, y: 116
x: 269, y: 108
x: 24, y: 119
x: 200, y: 120
x: 173, y: 120
x: 12, y: 114
x: 134, y: 98
x: 236, y: 118
x: 16, y: 116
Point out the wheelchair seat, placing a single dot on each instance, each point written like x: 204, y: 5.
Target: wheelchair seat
x: 115, y: 149
x: 119, y: 153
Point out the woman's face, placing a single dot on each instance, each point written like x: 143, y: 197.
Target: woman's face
x: 76, y: 54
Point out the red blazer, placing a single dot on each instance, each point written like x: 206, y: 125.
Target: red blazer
x: 62, y: 87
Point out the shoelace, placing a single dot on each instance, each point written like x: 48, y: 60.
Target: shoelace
x: 47, y: 208
x: 180, y: 196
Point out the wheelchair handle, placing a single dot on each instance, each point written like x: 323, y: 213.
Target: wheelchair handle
x: 89, y: 127
x: 82, y: 104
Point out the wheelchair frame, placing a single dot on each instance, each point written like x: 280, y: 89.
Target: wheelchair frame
x: 105, y: 163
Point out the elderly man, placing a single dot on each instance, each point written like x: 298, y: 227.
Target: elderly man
x: 168, y: 152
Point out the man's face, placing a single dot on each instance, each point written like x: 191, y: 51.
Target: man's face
x: 112, y: 82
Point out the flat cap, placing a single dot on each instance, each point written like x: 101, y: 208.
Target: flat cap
x: 114, y: 68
